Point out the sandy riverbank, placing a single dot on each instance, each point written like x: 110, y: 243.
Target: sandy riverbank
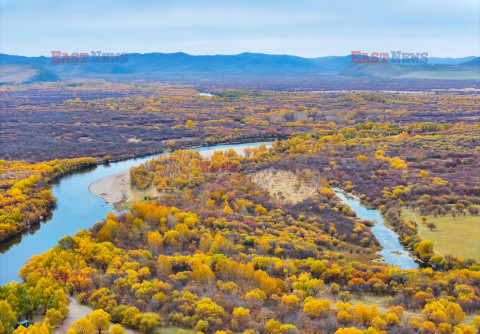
x: 114, y: 188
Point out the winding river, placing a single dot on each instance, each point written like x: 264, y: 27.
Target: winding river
x: 392, y: 252
x: 78, y: 209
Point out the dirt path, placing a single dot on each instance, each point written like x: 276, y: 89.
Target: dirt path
x: 77, y: 311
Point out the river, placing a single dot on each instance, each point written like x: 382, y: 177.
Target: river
x: 76, y: 209
x: 392, y: 252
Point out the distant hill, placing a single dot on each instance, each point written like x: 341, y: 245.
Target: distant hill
x: 449, y: 61
x: 334, y: 64
x: 474, y: 63
x: 245, y: 63
x: 21, y: 73
x: 420, y: 71
x: 182, y: 65
x: 158, y: 64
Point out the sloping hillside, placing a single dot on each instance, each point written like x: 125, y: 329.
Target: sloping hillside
x: 421, y: 71
x: 25, y: 74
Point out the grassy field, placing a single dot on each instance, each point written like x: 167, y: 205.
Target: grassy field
x: 458, y: 237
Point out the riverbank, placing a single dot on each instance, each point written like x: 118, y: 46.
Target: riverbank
x: 114, y: 188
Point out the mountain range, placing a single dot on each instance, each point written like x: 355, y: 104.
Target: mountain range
x: 181, y: 65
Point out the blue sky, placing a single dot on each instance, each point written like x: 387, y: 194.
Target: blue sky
x: 303, y: 27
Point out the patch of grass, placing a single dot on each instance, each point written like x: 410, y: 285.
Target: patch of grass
x: 137, y: 195
x: 141, y: 195
x: 458, y: 236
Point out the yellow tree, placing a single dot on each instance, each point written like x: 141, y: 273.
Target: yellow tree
x: 116, y: 329
x: 241, y: 315
x: 202, y: 273
x: 100, y: 320
x: 55, y: 316
x: 455, y: 314
x: 327, y: 192
x: 476, y: 323
x: 149, y: 321
x: 315, y: 307
x: 290, y: 302
x: 425, y: 249
x: 155, y: 240
x: 7, y: 317
x: 272, y: 327
x: 206, y: 308
x: 82, y: 326
x: 190, y: 125
x: 362, y: 158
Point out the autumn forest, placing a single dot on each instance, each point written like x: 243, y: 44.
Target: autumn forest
x: 251, y: 242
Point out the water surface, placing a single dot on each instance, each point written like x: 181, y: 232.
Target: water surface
x: 392, y: 252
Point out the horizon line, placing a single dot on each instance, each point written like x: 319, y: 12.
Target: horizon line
x: 223, y: 54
